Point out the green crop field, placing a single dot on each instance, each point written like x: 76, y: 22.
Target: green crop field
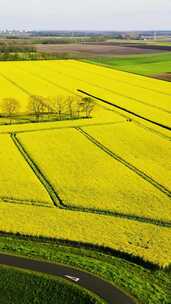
x: 161, y: 42
x: 40, y: 288
x: 139, y: 64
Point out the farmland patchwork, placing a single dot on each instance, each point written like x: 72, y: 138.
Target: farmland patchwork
x: 103, y: 180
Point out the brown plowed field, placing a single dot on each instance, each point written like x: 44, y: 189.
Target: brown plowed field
x: 163, y: 76
x: 87, y: 50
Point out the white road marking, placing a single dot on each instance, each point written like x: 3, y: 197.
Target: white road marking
x: 72, y: 278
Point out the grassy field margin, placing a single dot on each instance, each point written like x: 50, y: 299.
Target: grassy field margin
x: 148, y: 286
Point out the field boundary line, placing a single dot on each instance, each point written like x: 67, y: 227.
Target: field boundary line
x: 49, y: 188
x: 68, y: 207
x: 24, y: 202
x: 162, y: 135
x: 126, y: 110
x: 137, y: 171
x: 61, y: 127
x: 58, y: 202
x: 125, y: 216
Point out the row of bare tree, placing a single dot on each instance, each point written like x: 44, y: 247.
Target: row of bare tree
x: 69, y: 107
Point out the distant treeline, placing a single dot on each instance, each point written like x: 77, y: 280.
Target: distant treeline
x: 13, y: 51
x: 32, y: 56
x: 68, y: 40
x: 4, y: 48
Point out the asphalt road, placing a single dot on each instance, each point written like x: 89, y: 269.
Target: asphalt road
x: 105, y: 290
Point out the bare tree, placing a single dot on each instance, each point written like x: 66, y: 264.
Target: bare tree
x: 70, y: 105
x: 87, y: 105
x: 10, y: 106
x: 77, y: 106
x: 74, y: 105
x: 37, y: 106
x: 48, y: 106
x: 59, y: 106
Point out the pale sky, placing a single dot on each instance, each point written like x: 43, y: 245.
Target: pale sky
x: 85, y: 14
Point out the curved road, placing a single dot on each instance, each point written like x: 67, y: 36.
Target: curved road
x: 105, y: 290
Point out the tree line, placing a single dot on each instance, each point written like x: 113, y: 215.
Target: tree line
x: 61, y: 107
x: 24, y: 56
x: 16, y: 48
x: 16, y: 51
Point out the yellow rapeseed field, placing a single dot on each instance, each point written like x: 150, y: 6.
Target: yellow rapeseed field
x: 109, y: 81
x: 17, y: 181
x: 136, y: 80
x: 149, y: 98
x: 85, y: 171
x: 147, y: 151
x: 148, y: 241
x: 10, y: 90
x: 87, y: 177
x: 144, y: 101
